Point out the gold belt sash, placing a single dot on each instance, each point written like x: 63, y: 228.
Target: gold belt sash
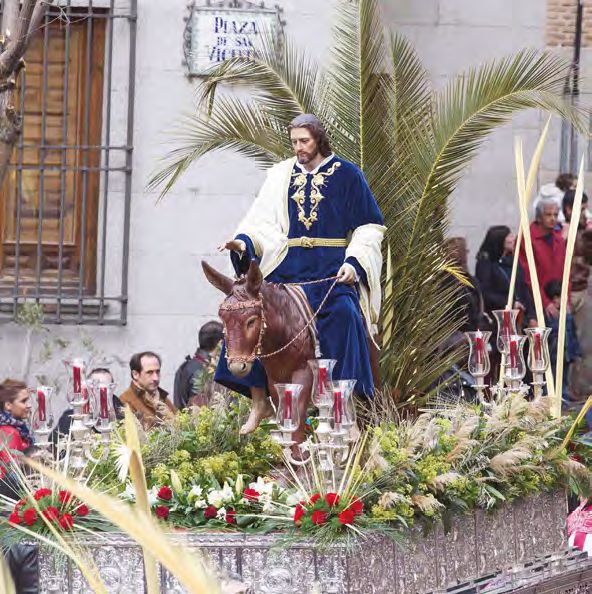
x: 310, y: 242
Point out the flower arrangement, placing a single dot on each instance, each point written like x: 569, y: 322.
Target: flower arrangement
x: 331, y: 510
x: 259, y: 507
x: 60, y: 508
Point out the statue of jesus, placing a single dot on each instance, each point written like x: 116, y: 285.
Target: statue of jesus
x: 314, y: 218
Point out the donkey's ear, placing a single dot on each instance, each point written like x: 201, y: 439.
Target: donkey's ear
x: 254, y: 278
x: 220, y: 281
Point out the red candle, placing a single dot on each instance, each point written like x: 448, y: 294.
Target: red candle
x: 288, y: 405
x: 479, y: 349
x: 537, y: 347
x: 86, y: 405
x: 322, y: 380
x: 41, y: 409
x: 337, y: 406
x: 507, y: 327
x: 104, y: 405
x: 513, y: 354
x: 77, y: 379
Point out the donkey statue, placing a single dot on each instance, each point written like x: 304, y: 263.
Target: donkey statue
x: 271, y: 322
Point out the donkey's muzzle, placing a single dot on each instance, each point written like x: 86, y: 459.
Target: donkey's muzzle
x: 240, y: 368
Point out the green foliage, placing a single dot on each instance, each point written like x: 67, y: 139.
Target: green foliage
x: 30, y: 314
x: 412, y: 143
x: 461, y: 459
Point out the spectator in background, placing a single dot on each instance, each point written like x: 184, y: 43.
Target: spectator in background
x: 148, y: 401
x: 572, y: 347
x: 549, y: 251
x: 556, y: 191
x: 494, y: 272
x: 581, y: 371
x: 190, y: 389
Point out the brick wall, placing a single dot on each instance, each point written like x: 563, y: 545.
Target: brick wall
x: 561, y: 23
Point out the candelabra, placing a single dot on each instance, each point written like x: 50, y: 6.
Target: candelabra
x: 511, y: 346
x: 330, y: 443
x: 92, y: 411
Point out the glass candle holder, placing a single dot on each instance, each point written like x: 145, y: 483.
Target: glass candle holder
x: 76, y: 378
x: 515, y: 367
x: 42, y: 407
x: 102, y: 404
x: 538, y: 349
x: 322, y: 370
x: 288, y: 412
x: 479, y: 364
x: 344, y: 407
x: 506, y: 327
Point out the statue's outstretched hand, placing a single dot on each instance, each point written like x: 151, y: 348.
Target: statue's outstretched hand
x: 235, y: 245
x: 346, y: 274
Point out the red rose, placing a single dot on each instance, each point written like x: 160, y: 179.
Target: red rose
x: 357, y: 507
x: 314, y: 498
x: 347, y: 517
x: 165, y: 493
x: 14, y: 518
x: 64, y: 496
x: 162, y: 512
x: 319, y: 517
x: 230, y: 516
x: 332, y: 499
x: 210, y: 512
x: 82, y: 510
x: 51, y: 513
x: 299, y: 512
x: 29, y: 516
x: 576, y: 458
x: 19, y: 504
x: 67, y: 522
x: 41, y: 493
x: 251, y: 494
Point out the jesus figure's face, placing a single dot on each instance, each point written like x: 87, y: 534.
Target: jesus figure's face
x: 304, y: 145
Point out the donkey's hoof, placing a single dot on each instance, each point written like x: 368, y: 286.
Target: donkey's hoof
x: 258, y: 413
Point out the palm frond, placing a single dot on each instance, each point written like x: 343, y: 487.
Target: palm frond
x: 284, y: 80
x: 234, y: 125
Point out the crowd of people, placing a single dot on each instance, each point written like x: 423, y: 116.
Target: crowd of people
x: 549, y: 230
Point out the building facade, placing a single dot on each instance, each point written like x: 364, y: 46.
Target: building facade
x: 116, y: 269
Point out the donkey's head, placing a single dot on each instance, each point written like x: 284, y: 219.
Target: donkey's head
x: 242, y: 315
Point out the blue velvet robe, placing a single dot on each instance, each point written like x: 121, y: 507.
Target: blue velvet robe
x: 346, y: 203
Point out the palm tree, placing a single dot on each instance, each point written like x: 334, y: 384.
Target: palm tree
x: 412, y: 144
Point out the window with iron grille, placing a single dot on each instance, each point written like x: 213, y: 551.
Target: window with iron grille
x: 65, y: 203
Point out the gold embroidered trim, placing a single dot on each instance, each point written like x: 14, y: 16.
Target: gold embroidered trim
x: 299, y: 196
x: 310, y: 242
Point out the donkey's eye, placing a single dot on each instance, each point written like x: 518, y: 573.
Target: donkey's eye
x: 251, y: 322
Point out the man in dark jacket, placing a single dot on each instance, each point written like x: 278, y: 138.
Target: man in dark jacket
x: 189, y: 387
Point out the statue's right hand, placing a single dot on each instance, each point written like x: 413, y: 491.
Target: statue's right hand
x: 235, y: 245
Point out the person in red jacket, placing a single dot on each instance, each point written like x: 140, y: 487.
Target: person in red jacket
x: 15, y: 408
x: 548, y: 246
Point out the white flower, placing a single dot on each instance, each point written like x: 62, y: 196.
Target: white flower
x: 294, y: 498
x: 221, y: 515
x: 200, y: 503
x: 267, y: 503
x: 239, y: 485
x: 215, y: 498
x: 195, y: 491
x: 153, y: 496
x: 227, y: 493
x: 263, y: 486
x: 129, y: 493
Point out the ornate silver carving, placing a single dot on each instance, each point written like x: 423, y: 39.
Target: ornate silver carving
x: 265, y: 564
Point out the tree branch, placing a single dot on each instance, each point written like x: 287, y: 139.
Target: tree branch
x: 20, y: 38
